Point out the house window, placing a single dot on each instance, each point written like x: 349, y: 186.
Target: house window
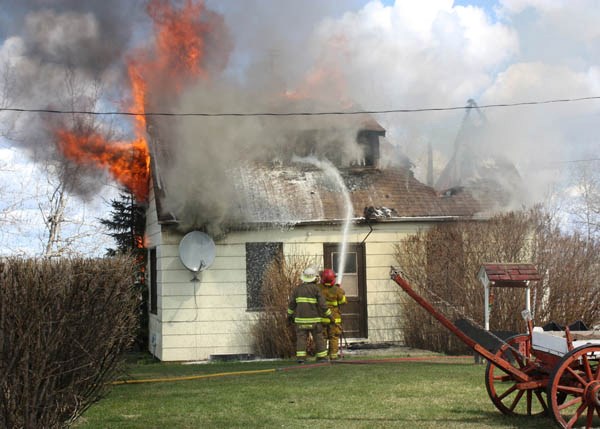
x: 153, y: 283
x: 259, y: 257
x: 350, y: 271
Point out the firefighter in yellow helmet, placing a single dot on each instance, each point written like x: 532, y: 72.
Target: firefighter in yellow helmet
x: 334, y: 296
x: 305, y: 310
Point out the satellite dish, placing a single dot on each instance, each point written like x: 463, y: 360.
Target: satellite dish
x: 196, y: 252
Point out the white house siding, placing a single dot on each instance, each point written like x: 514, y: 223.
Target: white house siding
x: 198, y: 319
x: 383, y: 295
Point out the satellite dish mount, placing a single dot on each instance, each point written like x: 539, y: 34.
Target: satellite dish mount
x: 196, y: 252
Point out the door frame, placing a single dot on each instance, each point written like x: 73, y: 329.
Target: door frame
x: 361, y: 267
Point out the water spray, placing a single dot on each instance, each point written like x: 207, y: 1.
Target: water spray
x: 334, y: 175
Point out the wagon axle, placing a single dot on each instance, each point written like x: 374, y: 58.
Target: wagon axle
x: 592, y: 394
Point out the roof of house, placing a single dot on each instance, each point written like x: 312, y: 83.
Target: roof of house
x: 292, y: 192
x: 300, y: 193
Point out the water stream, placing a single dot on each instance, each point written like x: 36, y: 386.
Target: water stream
x: 334, y: 175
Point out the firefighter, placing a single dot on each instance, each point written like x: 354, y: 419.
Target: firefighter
x: 334, y: 296
x: 305, y: 310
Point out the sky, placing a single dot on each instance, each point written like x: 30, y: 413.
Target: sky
x: 357, y: 54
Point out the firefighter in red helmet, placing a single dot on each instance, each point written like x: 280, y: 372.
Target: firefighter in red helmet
x: 334, y: 296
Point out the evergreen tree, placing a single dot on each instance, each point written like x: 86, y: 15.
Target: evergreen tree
x: 128, y: 223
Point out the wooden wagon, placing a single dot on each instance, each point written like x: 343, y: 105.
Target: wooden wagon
x: 536, y: 373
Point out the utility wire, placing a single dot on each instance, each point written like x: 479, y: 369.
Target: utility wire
x: 329, y: 113
x: 581, y: 160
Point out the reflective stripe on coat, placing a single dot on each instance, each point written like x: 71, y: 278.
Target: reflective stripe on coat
x: 307, y: 305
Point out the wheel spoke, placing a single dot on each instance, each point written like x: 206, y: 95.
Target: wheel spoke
x: 508, y: 391
x: 570, y: 389
x: 587, y: 367
x: 570, y: 403
x: 576, y: 375
x: 576, y: 416
x: 542, y: 401
x: 590, y: 417
x: 516, y: 401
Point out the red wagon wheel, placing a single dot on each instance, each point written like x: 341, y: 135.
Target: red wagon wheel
x: 574, y: 388
x: 503, y: 389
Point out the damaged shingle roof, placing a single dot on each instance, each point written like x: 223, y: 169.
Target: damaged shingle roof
x: 287, y: 192
x: 296, y: 193
x: 396, y: 188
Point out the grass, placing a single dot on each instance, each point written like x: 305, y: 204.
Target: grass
x: 440, y: 393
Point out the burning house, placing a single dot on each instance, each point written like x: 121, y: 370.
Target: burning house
x: 291, y: 206
x: 260, y: 187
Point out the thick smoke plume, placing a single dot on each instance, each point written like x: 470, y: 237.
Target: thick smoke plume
x: 206, y: 151
x: 63, y: 55
x: 286, y: 56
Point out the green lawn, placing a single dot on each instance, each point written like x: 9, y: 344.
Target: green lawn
x: 442, y: 393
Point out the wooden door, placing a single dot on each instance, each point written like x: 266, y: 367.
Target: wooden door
x: 354, y: 313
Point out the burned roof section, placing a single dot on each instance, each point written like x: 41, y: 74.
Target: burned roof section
x: 291, y: 191
x: 295, y: 194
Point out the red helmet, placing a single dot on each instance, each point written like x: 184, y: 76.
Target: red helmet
x: 328, y: 276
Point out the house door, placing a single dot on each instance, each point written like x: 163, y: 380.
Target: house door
x: 354, y: 313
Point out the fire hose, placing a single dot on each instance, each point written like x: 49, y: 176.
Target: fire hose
x: 290, y: 368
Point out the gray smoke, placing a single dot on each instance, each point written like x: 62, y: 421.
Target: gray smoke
x: 321, y: 56
x: 205, y: 150
x: 65, y: 55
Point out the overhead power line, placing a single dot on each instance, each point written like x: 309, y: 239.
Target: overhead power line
x: 324, y: 113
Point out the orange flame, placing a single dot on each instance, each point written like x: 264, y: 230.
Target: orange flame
x: 174, y: 60
x: 179, y: 39
x: 325, y: 81
x: 313, y: 81
x: 138, y: 91
x: 139, y: 241
x: 128, y: 162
